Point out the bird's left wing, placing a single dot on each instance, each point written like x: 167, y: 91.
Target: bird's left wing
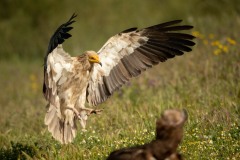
x: 131, y: 52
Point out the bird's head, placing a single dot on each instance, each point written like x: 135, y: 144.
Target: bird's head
x: 93, y: 57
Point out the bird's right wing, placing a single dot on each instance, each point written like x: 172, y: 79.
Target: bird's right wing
x: 57, y: 62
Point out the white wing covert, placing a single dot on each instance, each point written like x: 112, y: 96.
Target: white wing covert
x: 59, y: 63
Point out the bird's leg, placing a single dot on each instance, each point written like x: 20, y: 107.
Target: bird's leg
x: 91, y: 111
x: 75, y: 111
x: 84, y: 113
x: 81, y: 115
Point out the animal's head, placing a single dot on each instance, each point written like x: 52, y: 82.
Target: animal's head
x: 93, y: 57
x: 170, y: 125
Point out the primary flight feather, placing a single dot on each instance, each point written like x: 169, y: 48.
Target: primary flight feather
x: 93, y: 77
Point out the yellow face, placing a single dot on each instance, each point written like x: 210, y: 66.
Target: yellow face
x: 93, y: 57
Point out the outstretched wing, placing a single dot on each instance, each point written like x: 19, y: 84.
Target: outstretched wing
x: 131, y: 52
x: 55, y: 58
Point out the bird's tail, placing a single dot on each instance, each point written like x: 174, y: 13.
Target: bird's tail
x: 62, y: 129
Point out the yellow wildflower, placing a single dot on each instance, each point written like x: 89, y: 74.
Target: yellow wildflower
x: 225, y: 49
x: 220, y: 46
x: 231, y: 41
x: 197, y: 34
x: 33, y: 82
x: 215, y: 43
x: 34, y: 86
x: 217, y: 52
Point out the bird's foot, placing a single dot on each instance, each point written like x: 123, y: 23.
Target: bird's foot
x: 75, y: 111
x: 84, y: 113
x: 94, y: 111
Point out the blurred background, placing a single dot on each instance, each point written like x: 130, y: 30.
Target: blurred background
x: 205, y: 81
x: 26, y: 26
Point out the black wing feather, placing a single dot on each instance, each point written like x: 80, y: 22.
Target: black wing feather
x: 61, y: 33
x: 129, y: 30
x: 57, y: 38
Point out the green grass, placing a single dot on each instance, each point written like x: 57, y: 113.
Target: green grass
x: 206, y: 82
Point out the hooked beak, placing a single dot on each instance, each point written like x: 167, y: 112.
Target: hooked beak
x: 100, y: 64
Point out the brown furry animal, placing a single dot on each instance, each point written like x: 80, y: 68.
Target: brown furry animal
x: 169, y: 132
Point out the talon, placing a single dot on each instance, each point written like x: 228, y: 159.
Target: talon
x: 96, y: 111
x: 78, y: 116
x: 76, y: 112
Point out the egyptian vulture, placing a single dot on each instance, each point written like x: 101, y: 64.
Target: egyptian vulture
x: 93, y: 77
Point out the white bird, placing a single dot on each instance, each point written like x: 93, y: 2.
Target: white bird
x: 93, y: 77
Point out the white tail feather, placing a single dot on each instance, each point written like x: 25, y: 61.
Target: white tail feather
x: 63, y: 130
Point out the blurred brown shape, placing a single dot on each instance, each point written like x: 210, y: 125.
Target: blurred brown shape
x: 169, y: 133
